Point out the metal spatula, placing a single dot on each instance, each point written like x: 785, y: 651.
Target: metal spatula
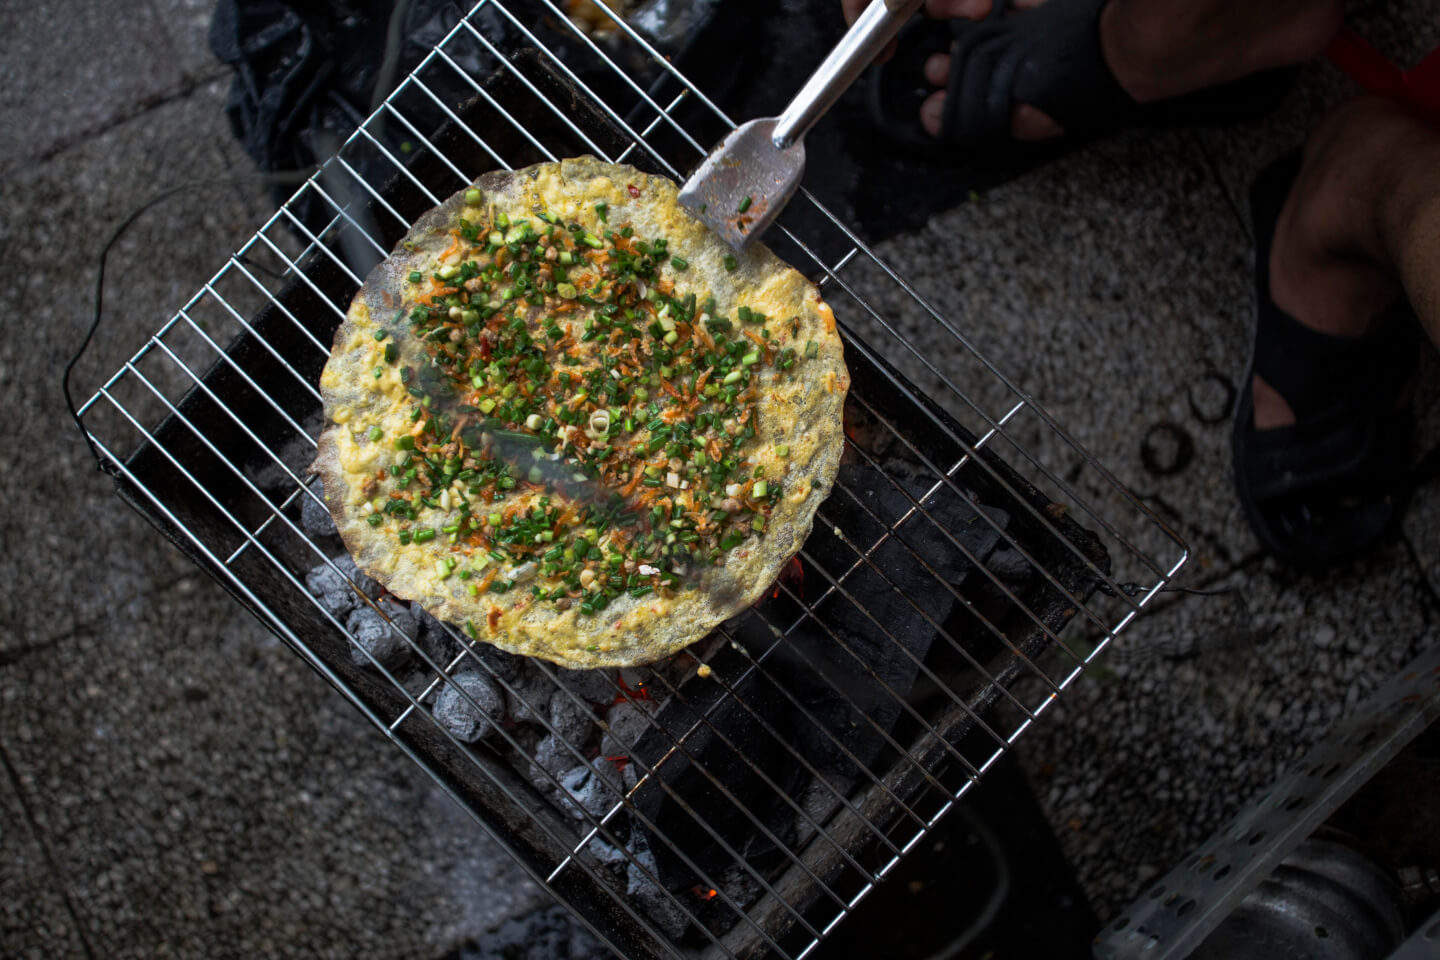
x: 745, y: 182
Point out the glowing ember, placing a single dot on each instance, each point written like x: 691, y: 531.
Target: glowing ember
x: 638, y: 692
x: 793, y: 573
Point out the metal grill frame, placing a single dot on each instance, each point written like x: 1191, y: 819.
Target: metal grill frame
x: 763, y: 925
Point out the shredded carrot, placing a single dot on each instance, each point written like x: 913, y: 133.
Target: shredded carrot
x: 629, y: 488
x: 419, y: 427
x: 429, y: 298
x: 700, y: 382
x: 758, y: 342
x: 454, y: 245
x: 704, y: 337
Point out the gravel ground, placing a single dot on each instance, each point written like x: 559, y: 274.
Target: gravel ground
x: 175, y: 782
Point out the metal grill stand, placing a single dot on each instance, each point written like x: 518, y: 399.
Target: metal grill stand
x: 842, y: 716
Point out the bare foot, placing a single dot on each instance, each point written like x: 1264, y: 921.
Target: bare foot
x: 1333, y: 262
x: 1160, y: 49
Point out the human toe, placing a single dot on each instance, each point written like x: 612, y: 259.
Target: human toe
x: 937, y: 69
x: 932, y: 113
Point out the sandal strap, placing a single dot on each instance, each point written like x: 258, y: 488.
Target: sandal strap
x: 1048, y: 56
x: 1065, y: 73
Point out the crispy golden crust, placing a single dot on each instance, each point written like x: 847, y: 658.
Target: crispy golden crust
x: 801, y: 411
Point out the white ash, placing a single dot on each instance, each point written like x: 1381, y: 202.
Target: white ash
x: 383, y: 641
x: 466, y: 721
x: 552, y: 756
x: 570, y: 721
x: 593, y: 788
x: 653, y: 903
x: 606, y: 853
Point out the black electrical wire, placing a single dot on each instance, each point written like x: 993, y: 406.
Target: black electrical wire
x: 271, y: 179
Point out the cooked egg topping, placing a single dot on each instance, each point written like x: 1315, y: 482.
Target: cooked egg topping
x: 577, y: 426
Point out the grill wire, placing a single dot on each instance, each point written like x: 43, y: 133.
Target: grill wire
x: 175, y: 400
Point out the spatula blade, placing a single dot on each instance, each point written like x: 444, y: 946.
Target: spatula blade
x: 744, y: 183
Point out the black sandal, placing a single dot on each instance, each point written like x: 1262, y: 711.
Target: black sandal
x: 1336, y: 482
x: 1049, y: 56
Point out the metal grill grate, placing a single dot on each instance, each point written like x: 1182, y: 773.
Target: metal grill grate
x: 220, y: 410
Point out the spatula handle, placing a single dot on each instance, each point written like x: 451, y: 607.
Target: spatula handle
x: 864, y: 40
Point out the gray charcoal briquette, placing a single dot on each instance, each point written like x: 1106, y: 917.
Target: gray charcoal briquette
x: 380, y: 639
x: 315, y: 517
x: 461, y: 718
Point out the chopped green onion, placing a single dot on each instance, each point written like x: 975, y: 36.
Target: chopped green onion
x: 424, y: 536
x: 376, y: 433
x: 730, y: 262
x: 812, y: 349
x: 679, y: 263
x: 744, y: 205
x: 416, y: 276
x: 732, y: 377
x: 406, y: 442
x: 473, y: 195
x: 601, y: 210
x: 782, y: 451
x: 761, y: 488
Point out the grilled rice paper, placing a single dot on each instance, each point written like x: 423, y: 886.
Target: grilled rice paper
x: 567, y: 418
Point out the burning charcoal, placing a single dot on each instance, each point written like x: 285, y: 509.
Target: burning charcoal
x: 336, y: 590
x: 606, y: 853
x: 436, y: 642
x: 496, y: 661
x: 626, y: 723
x: 551, y: 755
x: 569, y: 720
x: 595, y: 788
x: 529, y: 696
x: 458, y: 716
x: 335, y: 595
x: 1010, y: 565
x: 371, y: 633
x: 595, y: 686
x: 652, y: 901
x: 315, y: 517
x: 366, y: 585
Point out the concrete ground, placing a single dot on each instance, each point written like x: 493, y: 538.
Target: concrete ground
x: 176, y: 782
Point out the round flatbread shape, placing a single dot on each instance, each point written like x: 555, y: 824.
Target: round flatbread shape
x: 566, y: 417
